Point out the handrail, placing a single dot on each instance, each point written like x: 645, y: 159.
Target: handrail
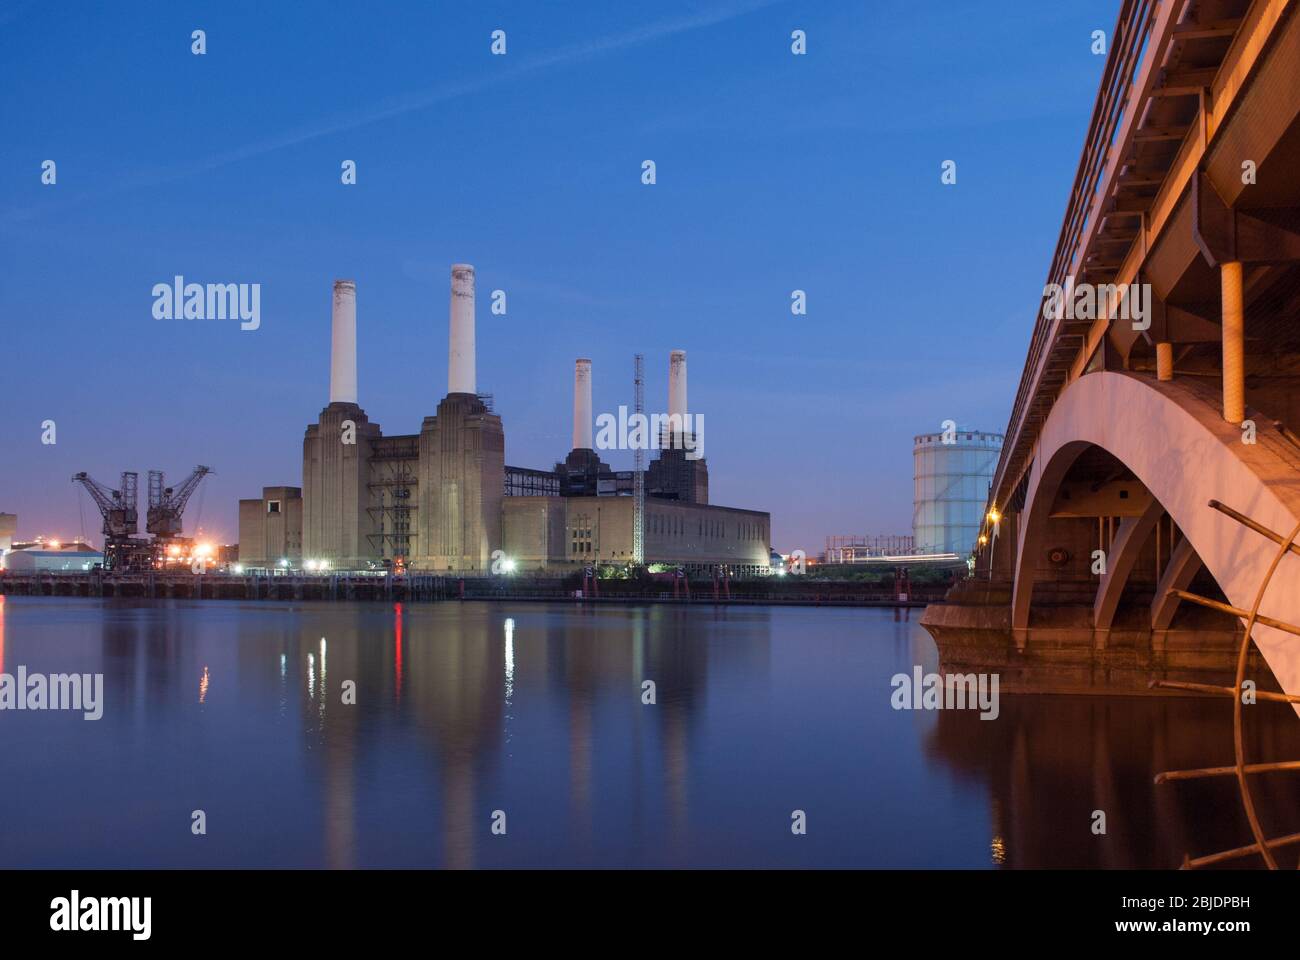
x: 1129, y: 50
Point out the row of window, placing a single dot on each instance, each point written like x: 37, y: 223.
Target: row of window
x: 666, y: 525
x: 580, y: 541
x: 676, y: 526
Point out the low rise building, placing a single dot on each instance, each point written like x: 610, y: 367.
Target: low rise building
x: 558, y: 533
x: 8, y: 529
x: 270, y: 528
x: 48, y: 558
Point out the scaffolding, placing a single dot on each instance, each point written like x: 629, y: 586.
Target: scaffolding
x: 394, y: 478
x: 638, y: 465
x: 860, y: 549
x: 527, y: 482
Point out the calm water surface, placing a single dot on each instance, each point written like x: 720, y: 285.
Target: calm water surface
x: 535, y: 710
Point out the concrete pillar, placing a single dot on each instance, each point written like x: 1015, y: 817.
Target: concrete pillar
x: 460, y: 354
x: 1234, y: 343
x: 1164, y: 361
x: 582, y: 405
x: 343, y: 347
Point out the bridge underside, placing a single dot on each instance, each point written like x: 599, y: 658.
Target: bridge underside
x: 1126, y: 427
x: 1076, y: 590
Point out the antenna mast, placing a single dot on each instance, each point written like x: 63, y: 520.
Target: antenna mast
x: 638, y: 469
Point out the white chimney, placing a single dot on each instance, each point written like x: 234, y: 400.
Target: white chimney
x: 460, y: 354
x: 677, y: 385
x: 343, y: 349
x: 582, y: 405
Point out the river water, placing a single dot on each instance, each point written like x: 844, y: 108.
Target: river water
x: 530, y: 717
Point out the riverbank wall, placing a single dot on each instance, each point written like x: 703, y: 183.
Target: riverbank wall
x: 422, y: 588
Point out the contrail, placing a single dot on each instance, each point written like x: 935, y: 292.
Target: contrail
x: 574, y: 53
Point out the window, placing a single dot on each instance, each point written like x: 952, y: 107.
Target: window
x: 273, y: 506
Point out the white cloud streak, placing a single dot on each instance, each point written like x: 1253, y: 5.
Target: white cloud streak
x: 411, y: 102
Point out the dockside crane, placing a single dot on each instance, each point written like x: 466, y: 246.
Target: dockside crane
x: 167, y: 505
x: 120, y: 509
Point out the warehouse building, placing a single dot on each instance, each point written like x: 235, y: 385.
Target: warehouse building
x: 48, y: 558
x: 8, y: 530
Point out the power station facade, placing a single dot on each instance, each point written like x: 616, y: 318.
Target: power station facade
x: 952, y: 473
x: 443, y: 500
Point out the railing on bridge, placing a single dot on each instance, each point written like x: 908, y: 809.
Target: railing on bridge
x: 1054, y: 342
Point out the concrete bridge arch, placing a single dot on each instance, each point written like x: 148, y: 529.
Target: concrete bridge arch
x: 1172, y: 437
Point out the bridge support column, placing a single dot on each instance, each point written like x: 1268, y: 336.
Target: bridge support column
x: 1124, y: 551
x: 1021, y: 636
x: 1159, y: 644
x: 1234, y: 343
x: 1183, y: 565
x: 1164, y: 360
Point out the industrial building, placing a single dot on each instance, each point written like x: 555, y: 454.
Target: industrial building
x: 444, y: 500
x: 53, y: 558
x: 554, y: 532
x: 864, y: 549
x: 8, y: 529
x: 271, y: 526
x: 952, y: 473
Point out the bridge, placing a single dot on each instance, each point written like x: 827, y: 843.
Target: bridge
x: 1152, y: 452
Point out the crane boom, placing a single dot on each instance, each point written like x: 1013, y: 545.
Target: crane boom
x: 118, y: 507
x: 121, y: 519
x: 167, y: 504
x: 186, y: 490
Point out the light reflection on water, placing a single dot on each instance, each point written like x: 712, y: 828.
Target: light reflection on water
x: 536, y: 710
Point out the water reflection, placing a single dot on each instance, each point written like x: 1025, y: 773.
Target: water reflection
x: 1052, y: 763
x: 537, y: 710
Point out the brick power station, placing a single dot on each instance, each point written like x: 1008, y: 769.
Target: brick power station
x: 444, y: 500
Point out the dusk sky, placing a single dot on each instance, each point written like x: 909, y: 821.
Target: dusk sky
x: 775, y: 172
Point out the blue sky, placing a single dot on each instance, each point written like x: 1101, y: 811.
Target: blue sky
x: 775, y: 172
